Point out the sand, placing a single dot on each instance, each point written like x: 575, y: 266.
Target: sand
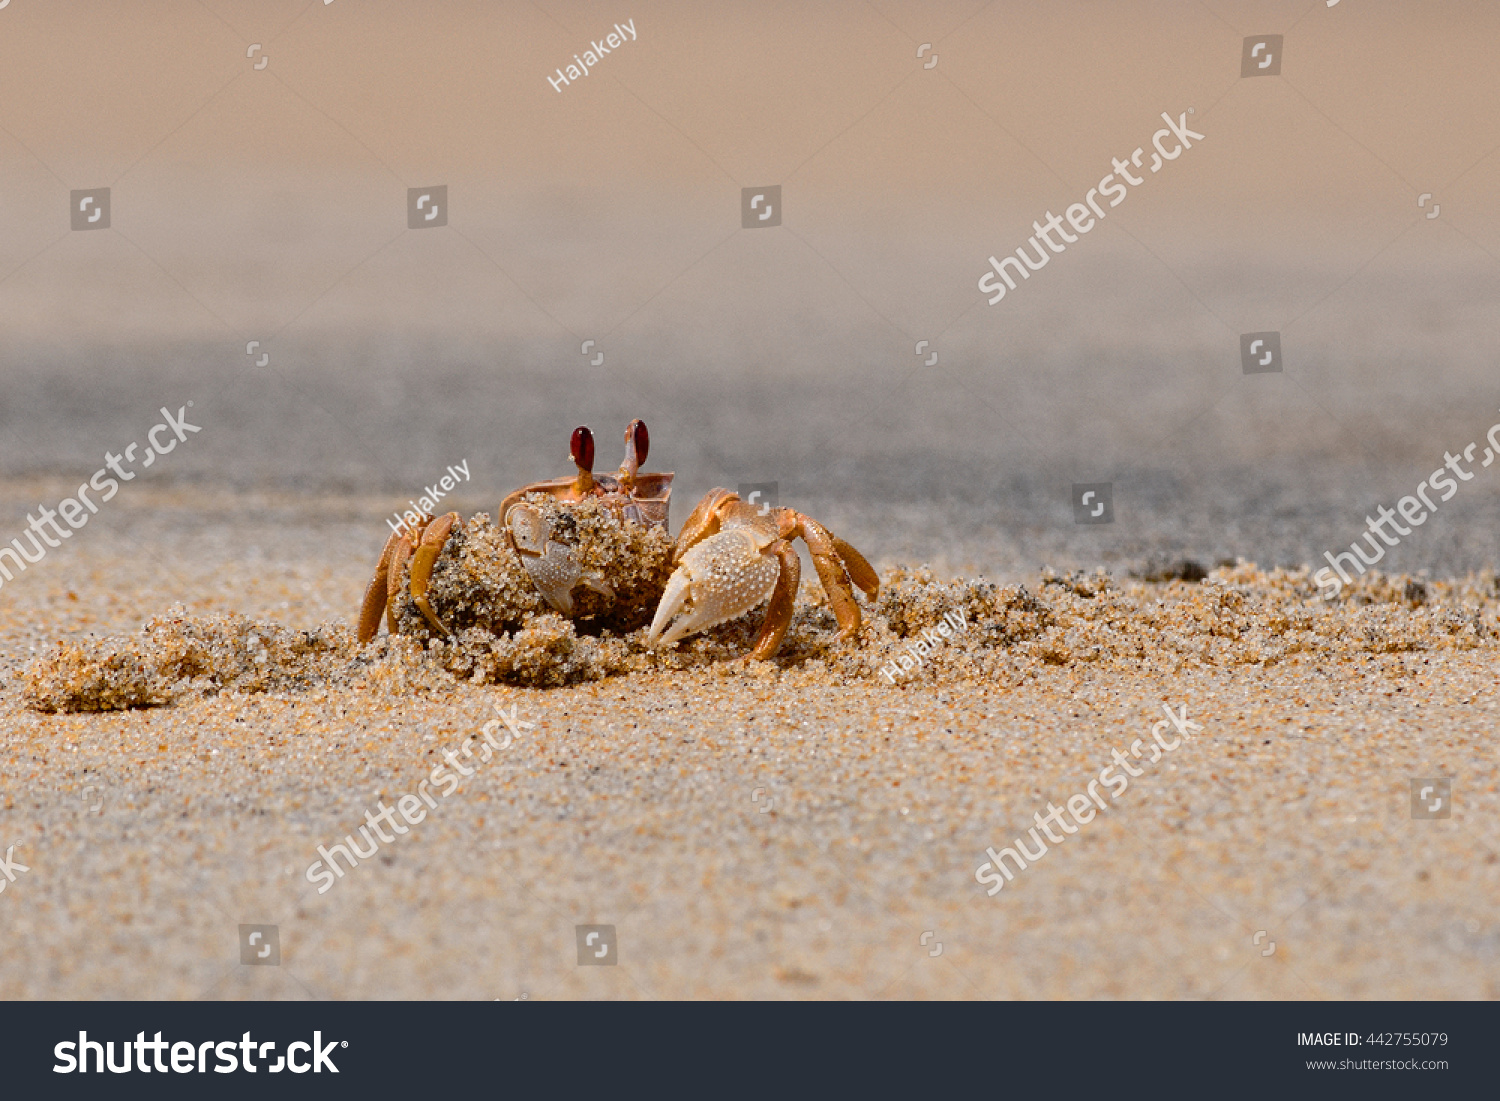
x: 787, y: 829
x: 802, y: 828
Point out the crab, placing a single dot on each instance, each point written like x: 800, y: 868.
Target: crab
x: 728, y: 559
x: 730, y: 555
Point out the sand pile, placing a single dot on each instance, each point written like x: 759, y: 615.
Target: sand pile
x: 177, y: 655
x: 1235, y: 616
x: 480, y: 582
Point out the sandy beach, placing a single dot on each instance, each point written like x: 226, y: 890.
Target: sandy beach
x: 358, y: 247
x: 787, y: 829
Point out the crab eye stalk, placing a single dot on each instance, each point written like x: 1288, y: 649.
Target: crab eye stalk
x: 582, y: 448
x: 636, y: 434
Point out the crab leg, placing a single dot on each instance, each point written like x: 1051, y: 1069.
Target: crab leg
x: 783, y: 598
x: 702, y: 522
x: 433, y: 538
x: 400, y: 555
x: 376, y: 594
x: 859, y: 568
x: 830, y: 566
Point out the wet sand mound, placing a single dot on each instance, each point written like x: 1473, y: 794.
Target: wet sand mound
x: 176, y: 655
x: 919, y: 631
x: 480, y: 582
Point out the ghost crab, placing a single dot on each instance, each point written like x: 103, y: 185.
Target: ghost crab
x: 729, y: 557
x: 730, y: 554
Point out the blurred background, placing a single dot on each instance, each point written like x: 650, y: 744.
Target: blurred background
x: 259, y: 156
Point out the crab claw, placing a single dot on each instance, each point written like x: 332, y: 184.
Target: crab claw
x: 551, y: 565
x: 719, y: 579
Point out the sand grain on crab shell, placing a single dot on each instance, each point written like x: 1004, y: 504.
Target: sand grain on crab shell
x: 480, y: 582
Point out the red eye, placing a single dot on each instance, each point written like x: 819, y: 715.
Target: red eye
x: 582, y: 447
x: 642, y: 440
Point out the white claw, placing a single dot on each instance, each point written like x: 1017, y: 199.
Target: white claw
x: 551, y: 565
x: 720, y: 579
x: 672, y: 599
